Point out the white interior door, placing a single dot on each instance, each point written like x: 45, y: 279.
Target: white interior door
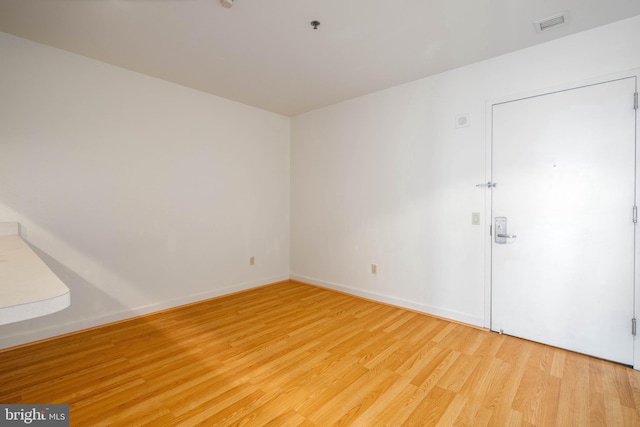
x: 564, y: 168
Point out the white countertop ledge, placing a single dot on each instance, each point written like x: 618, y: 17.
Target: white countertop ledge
x: 28, y: 288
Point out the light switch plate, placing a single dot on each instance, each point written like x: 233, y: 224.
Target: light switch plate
x: 475, y: 218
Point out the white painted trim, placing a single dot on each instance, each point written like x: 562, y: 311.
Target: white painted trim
x: 424, y: 308
x: 6, y: 342
x: 562, y: 87
x: 636, y: 305
x: 488, y: 215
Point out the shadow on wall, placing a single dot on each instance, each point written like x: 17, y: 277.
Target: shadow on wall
x: 87, y: 301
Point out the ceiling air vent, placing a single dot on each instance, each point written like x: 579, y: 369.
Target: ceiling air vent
x: 552, y: 22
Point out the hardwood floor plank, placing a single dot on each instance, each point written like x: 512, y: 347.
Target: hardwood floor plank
x: 329, y: 387
x: 291, y: 354
x: 471, y: 341
x: 451, y: 414
x: 505, y: 392
x: 400, y: 322
x: 623, y: 387
x: 399, y: 390
x: 401, y: 407
x: 573, y: 402
x: 549, y: 405
x: 529, y: 396
x: 477, y: 380
x: 287, y: 419
x: 634, y: 382
x: 353, y: 400
x: 455, y: 378
x: 468, y: 414
x: 432, y: 408
x: 630, y: 417
x: 557, y: 368
x: 436, y: 367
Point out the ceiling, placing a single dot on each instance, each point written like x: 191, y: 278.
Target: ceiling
x: 265, y: 53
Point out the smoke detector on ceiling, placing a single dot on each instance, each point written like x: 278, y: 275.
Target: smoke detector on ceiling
x: 552, y: 22
x: 226, y: 3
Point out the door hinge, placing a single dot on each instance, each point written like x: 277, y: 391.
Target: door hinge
x: 491, y: 230
x: 635, y: 214
x: 635, y: 101
x: 633, y: 327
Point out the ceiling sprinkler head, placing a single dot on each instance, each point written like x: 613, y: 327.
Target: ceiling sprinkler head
x: 315, y: 24
x: 226, y: 3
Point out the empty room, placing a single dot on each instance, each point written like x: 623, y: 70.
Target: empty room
x: 316, y: 213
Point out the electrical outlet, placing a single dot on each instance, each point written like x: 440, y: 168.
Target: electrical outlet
x: 374, y: 269
x: 252, y: 261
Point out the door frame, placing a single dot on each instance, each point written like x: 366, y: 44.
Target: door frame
x: 635, y: 73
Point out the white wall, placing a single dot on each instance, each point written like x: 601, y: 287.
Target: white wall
x: 387, y: 179
x: 140, y: 194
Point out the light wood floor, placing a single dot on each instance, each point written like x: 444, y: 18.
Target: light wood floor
x: 291, y: 354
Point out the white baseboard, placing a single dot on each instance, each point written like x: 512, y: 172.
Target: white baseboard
x: 40, y: 334
x: 424, y: 308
